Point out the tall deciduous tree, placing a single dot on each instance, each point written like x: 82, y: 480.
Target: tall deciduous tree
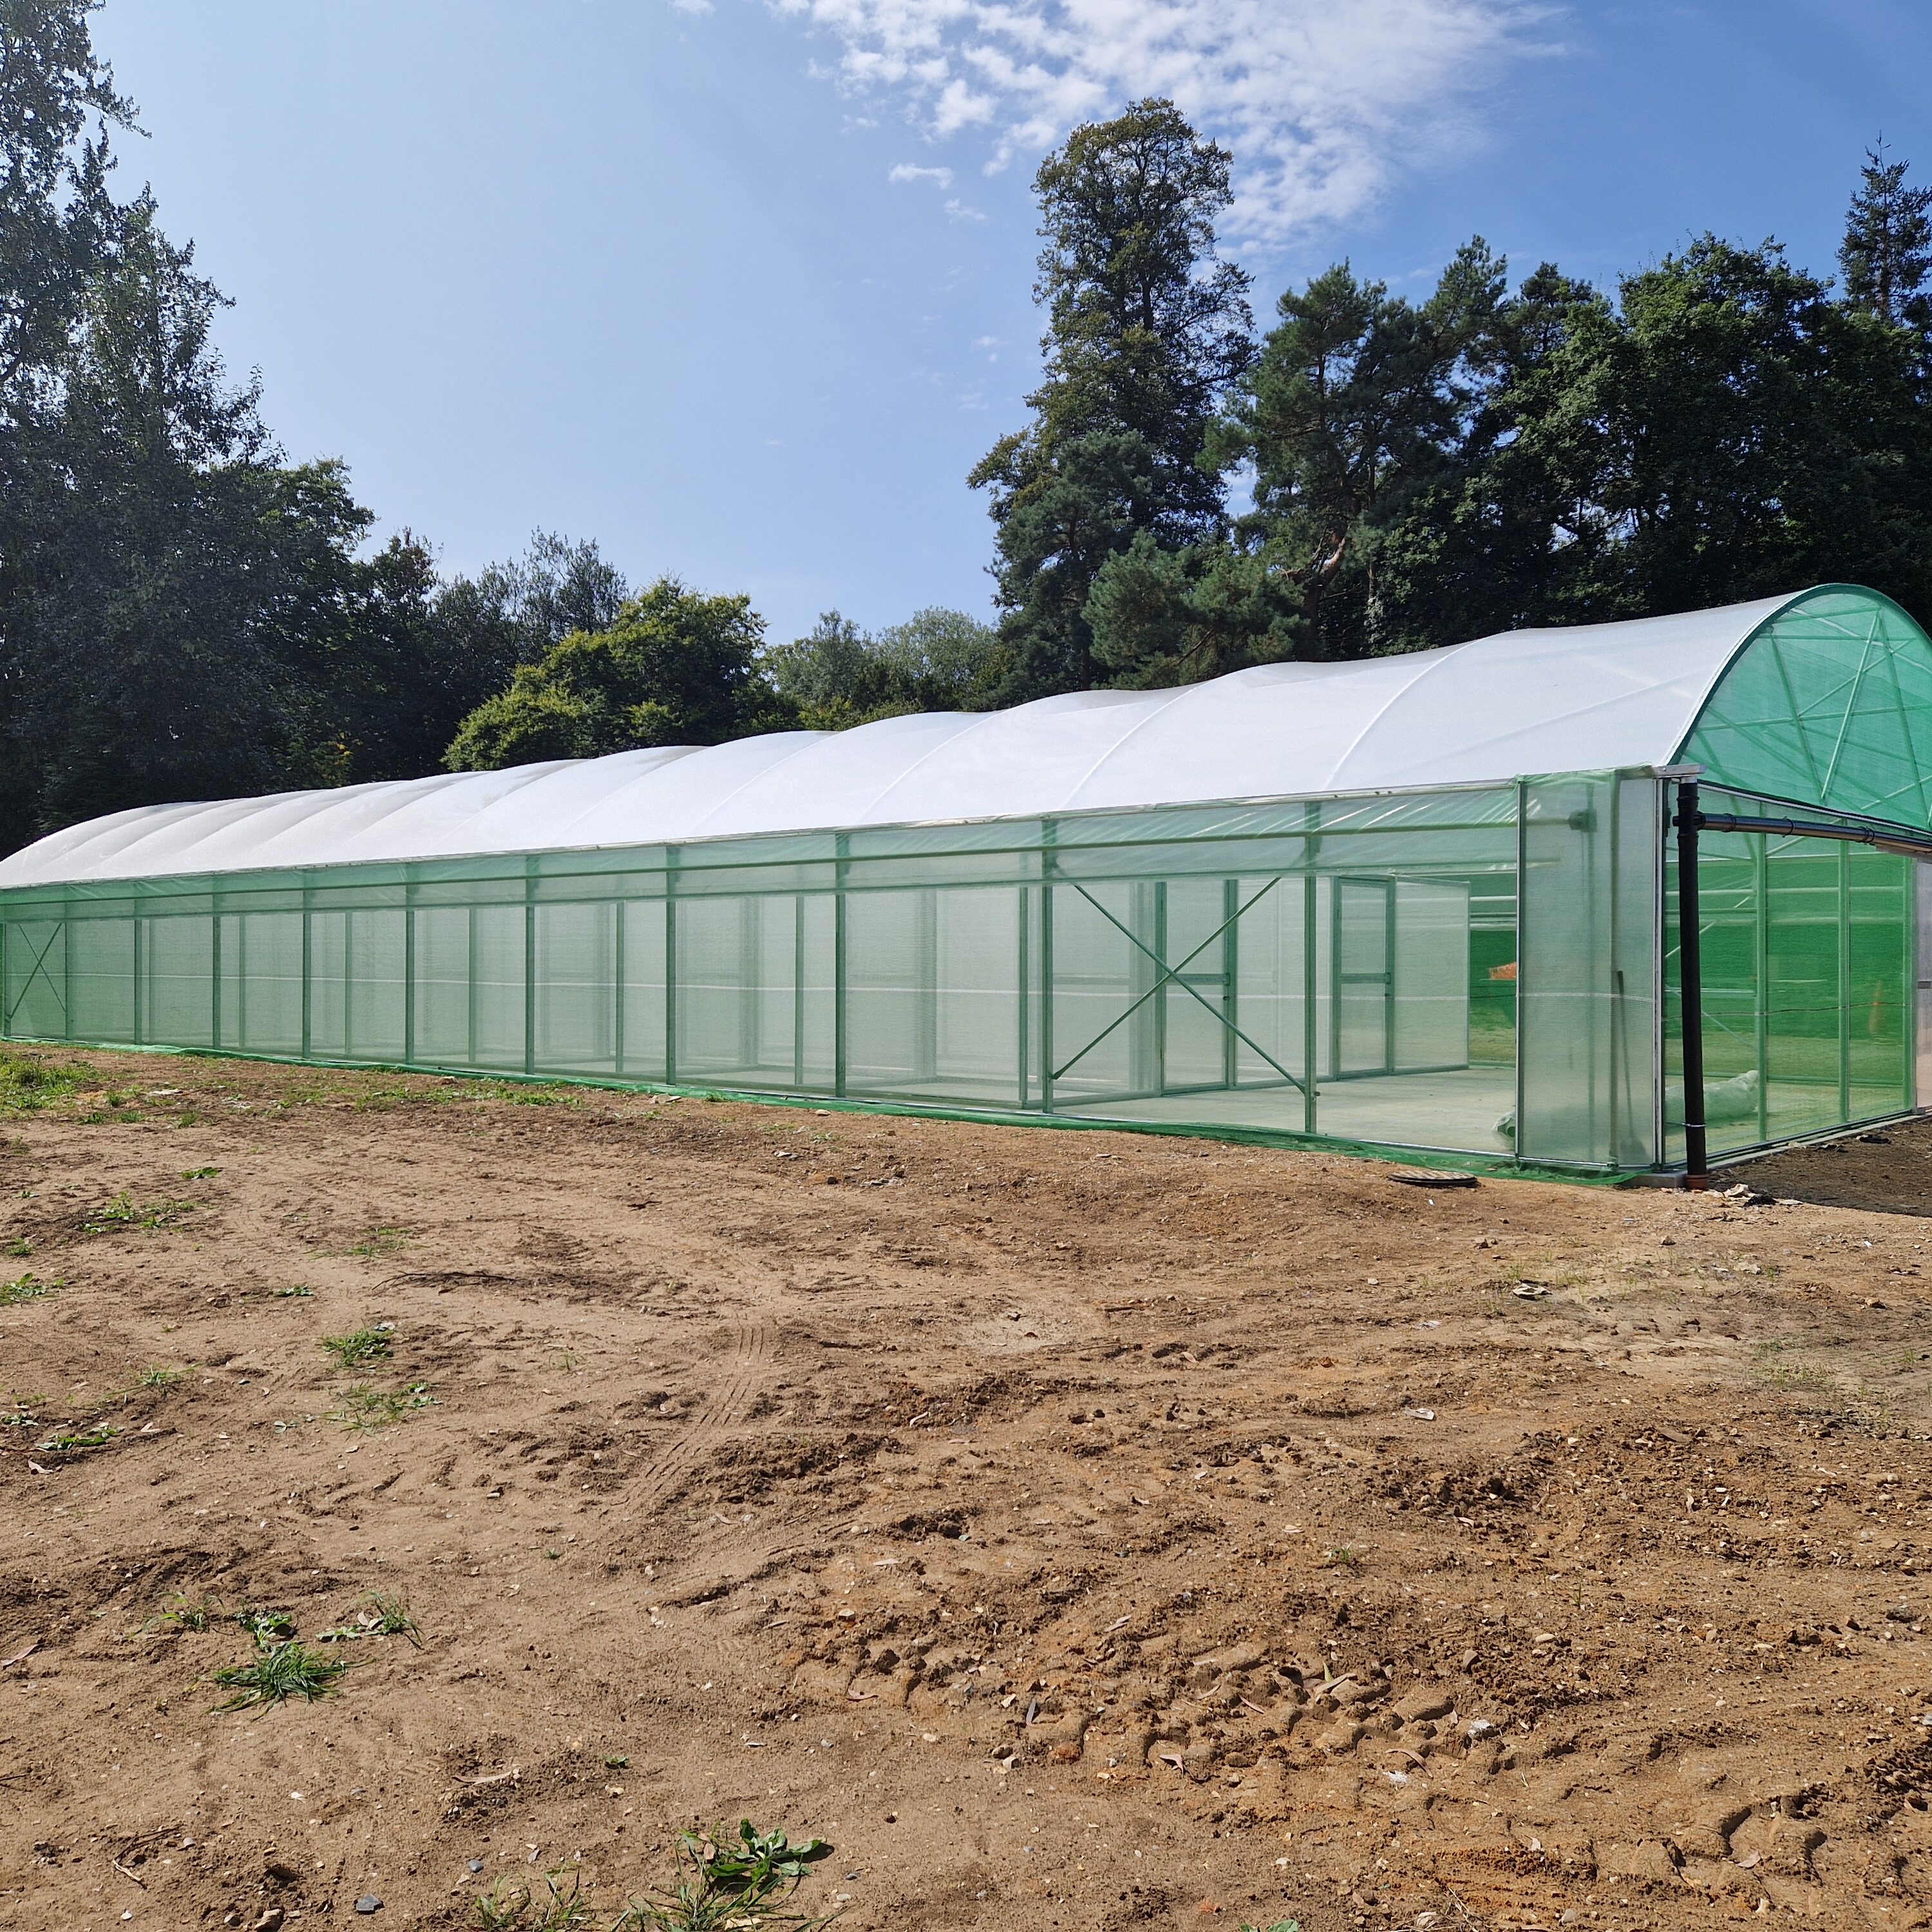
x: 1146, y: 328
x: 675, y: 668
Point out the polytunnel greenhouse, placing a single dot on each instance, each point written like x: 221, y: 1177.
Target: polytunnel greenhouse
x: 1427, y: 902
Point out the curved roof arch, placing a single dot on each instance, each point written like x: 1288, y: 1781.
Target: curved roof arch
x: 1823, y: 696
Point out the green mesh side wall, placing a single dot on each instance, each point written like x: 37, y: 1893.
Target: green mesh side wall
x: 1829, y: 704
x: 1807, y: 951
x: 1353, y: 969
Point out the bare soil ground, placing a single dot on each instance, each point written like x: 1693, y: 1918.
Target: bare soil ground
x: 1080, y: 1530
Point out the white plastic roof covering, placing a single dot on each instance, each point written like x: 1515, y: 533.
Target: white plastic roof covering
x: 1585, y: 698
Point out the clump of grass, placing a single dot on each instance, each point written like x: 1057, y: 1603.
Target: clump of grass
x: 745, y: 1881
x: 379, y: 1616
x: 199, y: 1173
x: 366, y: 1344
x: 26, y: 1288
x: 382, y: 1241
x: 125, y: 1211
x: 278, y: 1672
x: 300, y: 1291
x: 511, y: 1906
x: 19, y: 1247
x: 189, y: 1613
x: 27, y: 1084
x: 364, y: 1407
x: 1345, y: 1557
x: 160, y: 1377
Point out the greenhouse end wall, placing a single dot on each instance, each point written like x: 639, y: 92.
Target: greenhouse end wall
x: 1473, y: 970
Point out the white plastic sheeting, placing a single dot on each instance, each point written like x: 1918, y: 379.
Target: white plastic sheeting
x: 1589, y: 698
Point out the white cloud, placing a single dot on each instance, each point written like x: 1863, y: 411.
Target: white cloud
x: 956, y: 210
x: 1324, y: 102
x: 905, y: 171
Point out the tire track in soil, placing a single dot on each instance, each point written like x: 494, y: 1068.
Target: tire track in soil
x: 661, y: 1478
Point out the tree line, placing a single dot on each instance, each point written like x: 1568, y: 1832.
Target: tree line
x: 185, y: 612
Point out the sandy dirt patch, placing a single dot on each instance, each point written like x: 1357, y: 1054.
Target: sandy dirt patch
x: 1080, y: 1530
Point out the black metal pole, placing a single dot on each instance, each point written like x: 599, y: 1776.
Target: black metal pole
x: 1690, y: 989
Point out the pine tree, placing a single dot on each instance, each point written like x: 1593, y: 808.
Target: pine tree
x: 1146, y: 328
x: 1887, y: 253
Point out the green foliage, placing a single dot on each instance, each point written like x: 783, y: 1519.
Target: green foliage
x: 96, y: 1437
x: 369, y: 1343
x: 511, y: 1906
x: 27, y: 1085
x: 278, y: 1672
x: 1146, y: 328
x: 366, y: 1407
x: 837, y: 677
x: 26, y: 1288
x: 674, y: 667
x: 125, y: 1211
x: 747, y: 1880
x: 378, y: 1615
x: 1886, y: 257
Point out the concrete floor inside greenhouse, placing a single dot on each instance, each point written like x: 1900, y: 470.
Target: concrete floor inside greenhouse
x: 1457, y: 1110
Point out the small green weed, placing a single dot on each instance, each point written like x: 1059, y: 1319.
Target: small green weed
x: 366, y: 1344
x: 364, y: 1407
x: 1279, y: 1925
x: 125, y: 1211
x: 199, y: 1173
x: 299, y: 1292
x: 96, y: 1438
x: 747, y: 1881
x: 268, y: 1627
x: 26, y: 1288
x: 282, y: 1671
x: 190, y: 1613
x: 19, y: 1247
x: 511, y: 1906
x: 379, y: 1616
x: 382, y: 1241
x: 1345, y: 1557
x: 160, y: 1377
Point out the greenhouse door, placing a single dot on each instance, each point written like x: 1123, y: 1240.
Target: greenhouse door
x: 1364, y: 1005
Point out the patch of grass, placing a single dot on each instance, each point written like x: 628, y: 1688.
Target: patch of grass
x: 161, y: 1377
x: 96, y: 1437
x: 379, y: 1616
x: 511, y: 1906
x: 364, y: 1407
x: 26, y: 1288
x: 1346, y: 1557
x: 1279, y: 1925
x: 381, y: 1241
x: 28, y: 1084
x: 190, y: 1613
x: 745, y: 1881
x: 19, y: 1247
x: 268, y: 1627
x: 369, y: 1343
x: 199, y: 1173
x: 301, y: 1291
x: 280, y: 1671
x: 125, y: 1211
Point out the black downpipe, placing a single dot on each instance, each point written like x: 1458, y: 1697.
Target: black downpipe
x: 1690, y: 988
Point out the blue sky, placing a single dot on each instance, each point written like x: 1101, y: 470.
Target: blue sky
x: 742, y: 289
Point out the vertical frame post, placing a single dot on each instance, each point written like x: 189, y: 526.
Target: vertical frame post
x: 1689, y: 989
x: 840, y: 866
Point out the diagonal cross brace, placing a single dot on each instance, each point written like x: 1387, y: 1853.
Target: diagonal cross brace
x: 38, y: 970
x: 1171, y: 975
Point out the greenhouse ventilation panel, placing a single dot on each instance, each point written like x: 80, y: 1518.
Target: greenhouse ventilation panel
x: 1423, y: 901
